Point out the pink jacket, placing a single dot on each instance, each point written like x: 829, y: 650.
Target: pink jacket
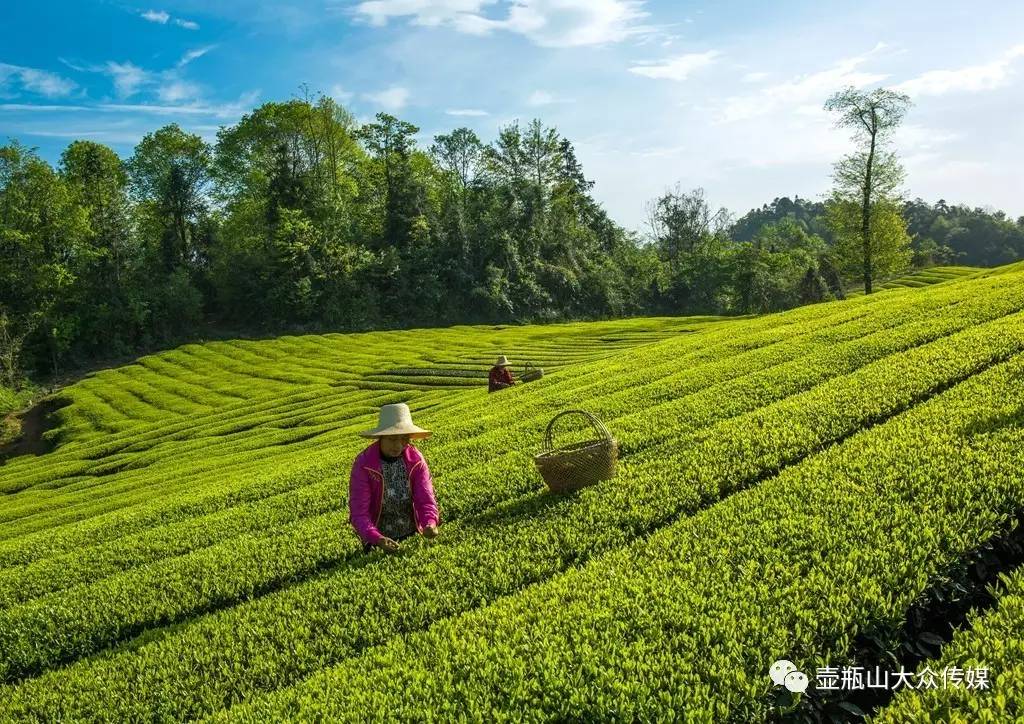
x: 366, y: 492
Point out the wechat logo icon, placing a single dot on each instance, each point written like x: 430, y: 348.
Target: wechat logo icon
x: 784, y: 673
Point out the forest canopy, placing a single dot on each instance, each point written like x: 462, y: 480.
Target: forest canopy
x: 300, y: 218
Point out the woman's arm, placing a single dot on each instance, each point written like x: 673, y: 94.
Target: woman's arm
x: 427, y: 513
x: 359, y: 505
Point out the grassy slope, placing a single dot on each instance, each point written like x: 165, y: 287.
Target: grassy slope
x: 924, y: 278
x: 201, y: 487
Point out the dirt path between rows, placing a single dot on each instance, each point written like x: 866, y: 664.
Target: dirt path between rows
x: 33, y: 422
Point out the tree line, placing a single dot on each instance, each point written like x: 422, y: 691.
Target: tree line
x: 299, y: 218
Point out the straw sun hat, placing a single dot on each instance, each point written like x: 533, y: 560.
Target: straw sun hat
x: 502, y: 362
x: 396, y: 420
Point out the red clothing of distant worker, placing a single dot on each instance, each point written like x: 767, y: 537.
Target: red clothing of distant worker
x: 500, y: 378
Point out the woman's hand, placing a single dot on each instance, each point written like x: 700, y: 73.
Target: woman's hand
x: 387, y: 545
x: 430, y: 531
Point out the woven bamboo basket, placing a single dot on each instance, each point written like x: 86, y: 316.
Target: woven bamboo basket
x: 531, y: 373
x: 580, y: 464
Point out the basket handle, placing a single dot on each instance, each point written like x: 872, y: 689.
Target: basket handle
x: 597, y: 425
x: 529, y: 366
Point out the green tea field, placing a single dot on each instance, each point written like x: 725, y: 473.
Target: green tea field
x: 826, y: 485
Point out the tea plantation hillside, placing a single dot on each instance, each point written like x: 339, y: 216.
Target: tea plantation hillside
x: 803, y: 486
x: 926, y: 277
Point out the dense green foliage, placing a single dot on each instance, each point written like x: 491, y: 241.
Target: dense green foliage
x: 299, y: 218
x: 940, y: 233
x: 786, y: 482
x: 993, y: 641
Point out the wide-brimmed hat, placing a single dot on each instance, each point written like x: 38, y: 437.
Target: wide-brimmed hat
x: 395, y: 420
x: 502, y: 362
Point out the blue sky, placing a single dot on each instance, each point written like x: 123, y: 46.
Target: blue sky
x: 726, y: 95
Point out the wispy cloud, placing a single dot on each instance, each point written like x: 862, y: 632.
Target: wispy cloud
x: 391, y: 99
x: 544, y: 98
x: 175, y: 91
x: 807, y: 91
x: 224, y: 110
x: 40, y: 107
x: 970, y: 79
x: 128, y: 78
x: 678, y: 68
x: 540, y: 98
x: 162, y: 17
x: 466, y: 112
x: 423, y: 12
x: 550, y: 23
x: 168, y: 85
x: 191, y: 55
x: 157, y: 16
x: 340, y: 94
x: 154, y: 108
x: 914, y: 136
x: 33, y: 80
x: 231, y: 109
x: 65, y: 134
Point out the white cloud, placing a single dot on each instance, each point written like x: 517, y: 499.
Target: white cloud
x: 544, y: 98
x: 754, y: 77
x: 569, y: 23
x: 128, y: 78
x: 35, y: 80
x: 391, y: 99
x: 247, y: 99
x: 466, y: 112
x: 915, y: 137
x: 163, y: 110
x: 540, y: 98
x: 423, y: 12
x: 39, y: 107
x: 64, y: 134
x: 804, y: 91
x: 971, y: 79
x: 191, y: 55
x: 223, y: 110
x: 163, y: 17
x: 475, y: 24
x: 678, y: 68
x: 156, y: 16
x: 549, y: 23
x: 340, y: 94
x: 176, y: 90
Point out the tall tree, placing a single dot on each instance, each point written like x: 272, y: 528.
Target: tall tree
x: 888, y: 244
x: 681, y: 221
x: 105, y: 299
x: 872, y: 174
x: 392, y: 142
x: 458, y: 153
x: 170, y: 172
x: 99, y: 177
x: 42, y: 233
